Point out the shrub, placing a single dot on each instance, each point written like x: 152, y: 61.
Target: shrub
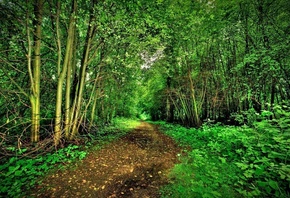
x: 226, y: 161
x: 20, y: 174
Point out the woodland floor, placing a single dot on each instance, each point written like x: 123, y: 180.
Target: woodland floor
x: 134, y: 166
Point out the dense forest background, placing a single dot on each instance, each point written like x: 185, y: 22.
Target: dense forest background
x: 70, y: 66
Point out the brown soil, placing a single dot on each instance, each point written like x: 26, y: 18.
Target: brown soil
x: 134, y: 166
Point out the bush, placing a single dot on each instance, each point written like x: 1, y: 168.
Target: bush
x: 226, y: 161
x: 20, y: 174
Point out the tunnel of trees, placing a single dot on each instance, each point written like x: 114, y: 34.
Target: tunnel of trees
x: 69, y: 69
x: 69, y: 66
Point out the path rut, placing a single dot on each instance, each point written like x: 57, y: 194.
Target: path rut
x: 134, y: 166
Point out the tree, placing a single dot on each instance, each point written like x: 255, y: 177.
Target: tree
x: 65, y: 71
x: 34, y: 65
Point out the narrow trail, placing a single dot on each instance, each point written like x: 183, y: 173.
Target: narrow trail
x: 133, y: 166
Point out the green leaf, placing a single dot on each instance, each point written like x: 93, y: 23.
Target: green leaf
x: 22, y: 150
x: 262, y: 184
x: 223, y: 160
x: 259, y: 171
x: 217, y: 194
x: 248, y: 173
x: 273, y: 184
x: 18, y: 172
x: 243, y: 166
x: 12, y: 169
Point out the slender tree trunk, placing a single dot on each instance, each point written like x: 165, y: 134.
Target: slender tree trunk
x: 93, y: 112
x: 34, y: 71
x: 81, y: 83
x: 196, y: 117
x: 62, y: 76
x: 169, y: 105
x: 96, y: 97
x: 70, y: 73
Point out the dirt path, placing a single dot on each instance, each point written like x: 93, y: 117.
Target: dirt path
x: 133, y: 166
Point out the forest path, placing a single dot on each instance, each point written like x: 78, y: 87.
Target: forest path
x: 134, y: 166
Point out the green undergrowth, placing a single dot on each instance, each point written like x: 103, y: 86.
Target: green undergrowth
x: 20, y: 173
x: 105, y: 134
x: 228, y: 161
x: 118, y: 128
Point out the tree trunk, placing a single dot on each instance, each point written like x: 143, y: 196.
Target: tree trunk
x: 61, y: 78
x: 70, y: 73
x: 76, y: 115
x: 196, y: 118
x: 35, y: 72
x: 169, y: 105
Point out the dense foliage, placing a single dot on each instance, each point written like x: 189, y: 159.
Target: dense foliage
x: 220, y: 59
x: 75, y: 64
x: 68, y: 68
x: 227, y: 161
